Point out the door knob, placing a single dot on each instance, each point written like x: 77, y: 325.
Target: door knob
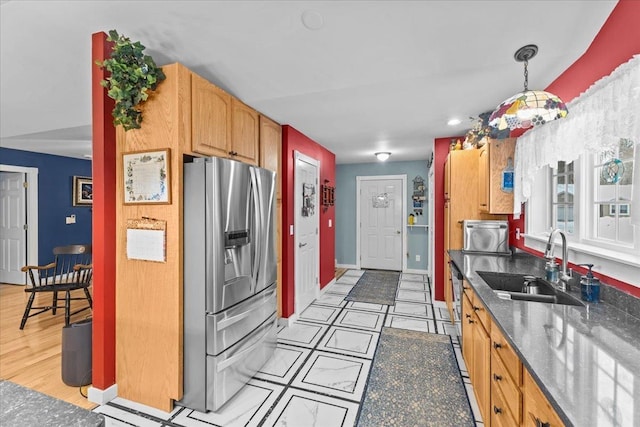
x: 300, y: 245
x: 397, y: 231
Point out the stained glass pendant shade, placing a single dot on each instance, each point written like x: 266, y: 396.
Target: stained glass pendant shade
x: 528, y: 108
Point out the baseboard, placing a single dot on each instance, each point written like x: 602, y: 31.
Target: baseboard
x: 324, y: 290
x: 440, y: 304
x: 347, y: 266
x: 288, y: 321
x: 416, y: 271
x: 101, y: 397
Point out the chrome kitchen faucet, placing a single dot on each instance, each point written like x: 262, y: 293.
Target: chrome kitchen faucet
x: 564, y: 276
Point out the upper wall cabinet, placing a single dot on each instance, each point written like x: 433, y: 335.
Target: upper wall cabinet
x: 210, y: 118
x: 245, y: 130
x: 270, y: 147
x: 495, y: 176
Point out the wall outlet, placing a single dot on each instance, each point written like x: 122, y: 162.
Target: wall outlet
x: 330, y: 223
x: 417, y: 257
x: 517, y: 234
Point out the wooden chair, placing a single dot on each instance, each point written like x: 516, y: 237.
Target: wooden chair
x: 71, y: 269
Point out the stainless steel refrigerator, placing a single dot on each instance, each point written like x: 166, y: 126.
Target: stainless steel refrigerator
x: 229, y: 278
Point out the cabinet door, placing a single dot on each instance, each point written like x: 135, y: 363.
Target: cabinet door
x: 481, y: 368
x: 467, y: 332
x: 483, y: 179
x: 270, y: 148
x: 245, y: 129
x: 448, y: 287
x: 210, y: 118
x: 537, y: 410
x: 501, y: 152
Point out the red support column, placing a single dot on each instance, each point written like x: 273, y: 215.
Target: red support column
x: 104, y: 221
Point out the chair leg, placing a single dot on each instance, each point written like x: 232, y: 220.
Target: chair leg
x: 25, y: 316
x: 55, y: 302
x: 88, y: 295
x: 67, y: 308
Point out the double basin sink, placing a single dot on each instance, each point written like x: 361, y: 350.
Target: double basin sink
x: 526, y: 288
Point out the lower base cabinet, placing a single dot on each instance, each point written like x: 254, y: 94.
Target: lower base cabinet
x: 537, y: 411
x: 506, y: 393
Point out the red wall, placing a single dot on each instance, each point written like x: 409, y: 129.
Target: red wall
x: 103, y: 223
x: 440, y: 152
x: 292, y: 141
x: 616, y: 42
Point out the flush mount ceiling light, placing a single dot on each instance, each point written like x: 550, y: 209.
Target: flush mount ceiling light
x: 530, y: 107
x: 454, y: 122
x: 383, y: 155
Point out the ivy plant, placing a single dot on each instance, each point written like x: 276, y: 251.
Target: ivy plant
x: 133, y: 75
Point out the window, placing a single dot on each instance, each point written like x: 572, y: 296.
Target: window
x: 612, y: 173
x: 590, y: 200
x: 562, y: 179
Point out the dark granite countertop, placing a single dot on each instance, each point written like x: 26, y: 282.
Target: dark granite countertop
x: 585, y: 359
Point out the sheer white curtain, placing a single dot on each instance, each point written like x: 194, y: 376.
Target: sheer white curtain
x: 598, y: 118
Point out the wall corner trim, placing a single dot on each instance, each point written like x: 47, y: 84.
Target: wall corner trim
x: 101, y: 397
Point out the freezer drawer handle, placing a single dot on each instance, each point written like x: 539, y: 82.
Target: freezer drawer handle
x: 233, y: 359
x: 235, y: 319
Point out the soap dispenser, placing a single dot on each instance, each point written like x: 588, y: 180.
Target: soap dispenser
x: 590, y: 286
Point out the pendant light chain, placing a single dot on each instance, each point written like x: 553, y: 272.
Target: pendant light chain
x: 526, y: 75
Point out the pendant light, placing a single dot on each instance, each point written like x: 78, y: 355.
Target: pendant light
x: 530, y: 107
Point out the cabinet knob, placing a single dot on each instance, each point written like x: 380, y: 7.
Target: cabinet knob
x: 497, y: 345
x: 497, y: 410
x: 468, y: 316
x: 538, y: 422
x: 497, y: 377
x: 476, y: 308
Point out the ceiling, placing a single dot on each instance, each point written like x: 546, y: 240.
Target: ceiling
x: 355, y: 76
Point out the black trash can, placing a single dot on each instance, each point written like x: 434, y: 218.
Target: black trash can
x: 76, y: 353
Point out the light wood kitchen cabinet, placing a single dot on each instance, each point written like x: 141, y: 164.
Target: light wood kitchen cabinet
x: 270, y: 152
x: 537, y: 411
x: 476, y: 349
x: 210, y: 118
x: 494, y: 157
x: 245, y: 131
x: 460, y: 201
x: 506, y: 393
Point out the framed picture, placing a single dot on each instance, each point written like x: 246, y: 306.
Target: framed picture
x: 82, y: 191
x: 147, y: 177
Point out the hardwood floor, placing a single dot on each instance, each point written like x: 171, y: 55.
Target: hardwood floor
x: 32, y: 357
x: 340, y: 272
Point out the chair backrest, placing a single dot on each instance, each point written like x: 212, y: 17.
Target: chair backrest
x: 66, y: 257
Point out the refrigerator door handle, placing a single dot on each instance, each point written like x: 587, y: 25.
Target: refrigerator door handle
x: 257, y: 235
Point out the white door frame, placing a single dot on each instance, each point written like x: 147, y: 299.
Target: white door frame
x: 32, y: 209
x: 297, y: 208
x: 431, y: 229
x: 359, y: 179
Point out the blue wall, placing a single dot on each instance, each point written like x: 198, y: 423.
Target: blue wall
x: 346, y: 208
x: 55, y: 186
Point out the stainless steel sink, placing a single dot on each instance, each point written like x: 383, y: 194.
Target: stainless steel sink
x: 513, y: 286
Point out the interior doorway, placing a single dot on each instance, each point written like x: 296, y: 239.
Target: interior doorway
x: 19, y: 225
x: 381, y: 210
x: 306, y: 225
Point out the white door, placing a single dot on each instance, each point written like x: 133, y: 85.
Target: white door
x: 306, y: 226
x: 13, y: 235
x: 381, y: 223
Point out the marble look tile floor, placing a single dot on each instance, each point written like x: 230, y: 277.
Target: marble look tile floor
x: 318, y: 374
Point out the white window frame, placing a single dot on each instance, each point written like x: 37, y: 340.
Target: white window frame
x: 611, y: 260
